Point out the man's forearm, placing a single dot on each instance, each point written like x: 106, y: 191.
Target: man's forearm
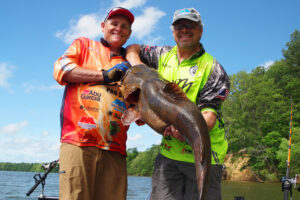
x: 210, y: 118
x: 81, y: 75
x: 133, y: 54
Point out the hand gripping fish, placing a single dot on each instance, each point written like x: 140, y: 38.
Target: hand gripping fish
x: 160, y: 104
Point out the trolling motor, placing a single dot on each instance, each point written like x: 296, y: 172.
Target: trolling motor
x: 42, y: 179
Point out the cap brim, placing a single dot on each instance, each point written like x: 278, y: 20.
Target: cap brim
x: 185, y: 17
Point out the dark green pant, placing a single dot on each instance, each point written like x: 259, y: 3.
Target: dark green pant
x: 175, y: 180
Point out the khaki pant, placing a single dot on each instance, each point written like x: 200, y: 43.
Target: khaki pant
x: 91, y: 174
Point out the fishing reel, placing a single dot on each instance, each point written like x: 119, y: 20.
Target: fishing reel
x: 46, y: 166
x: 41, y: 179
x: 287, y: 183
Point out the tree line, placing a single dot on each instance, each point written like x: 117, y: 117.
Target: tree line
x: 26, y: 167
x: 257, y: 115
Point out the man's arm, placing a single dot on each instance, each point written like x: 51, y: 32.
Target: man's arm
x: 145, y: 54
x: 209, y: 117
x: 81, y: 75
x: 133, y: 54
x: 67, y: 69
x: 215, y: 89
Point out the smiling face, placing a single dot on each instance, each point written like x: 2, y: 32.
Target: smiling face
x: 187, y: 33
x: 116, y: 30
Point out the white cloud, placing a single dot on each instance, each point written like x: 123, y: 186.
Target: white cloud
x: 5, y: 74
x: 136, y: 140
x: 29, y: 150
x: 144, y: 25
x: 13, y: 128
x: 87, y: 26
x: 21, y: 140
x: 30, y: 87
x: 136, y: 137
x: 54, y: 147
x: 42, y: 147
x: 142, y: 137
x: 45, y: 133
x: 154, y: 41
x: 129, y: 4
x: 157, y: 141
x: 267, y: 64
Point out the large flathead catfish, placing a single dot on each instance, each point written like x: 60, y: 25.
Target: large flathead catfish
x: 160, y: 103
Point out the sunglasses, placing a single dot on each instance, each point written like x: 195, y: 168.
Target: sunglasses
x: 181, y: 26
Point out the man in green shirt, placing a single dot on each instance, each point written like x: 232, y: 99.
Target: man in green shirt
x: 205, y: 83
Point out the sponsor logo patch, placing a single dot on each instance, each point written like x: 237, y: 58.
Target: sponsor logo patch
x: 86, y: 122
x: 89, y: 108
x: 114, y: 128
x: 111, y: 91
x: 193, y: 70
x: 184, y: 84
x: 91, y: 95
x: 119, y: 105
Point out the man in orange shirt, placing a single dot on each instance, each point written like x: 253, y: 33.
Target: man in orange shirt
x: 93, y: 139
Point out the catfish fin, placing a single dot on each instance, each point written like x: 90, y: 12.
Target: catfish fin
x: 129, y: 116
x: 174, y: 91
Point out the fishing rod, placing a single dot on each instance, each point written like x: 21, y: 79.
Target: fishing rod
x: 42, y: 179
x: 286, y: 181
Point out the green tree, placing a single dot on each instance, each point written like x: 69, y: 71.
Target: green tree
x: 142, y: 164
x: 131, y: 154
x: 257, y: 111
x: 282, y: 153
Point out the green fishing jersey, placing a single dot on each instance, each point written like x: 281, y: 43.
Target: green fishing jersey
x: 205, y: 83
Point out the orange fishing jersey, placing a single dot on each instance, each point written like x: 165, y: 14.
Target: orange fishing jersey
x: 91, y: 112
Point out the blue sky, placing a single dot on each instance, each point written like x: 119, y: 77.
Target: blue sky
x: 35, y: 33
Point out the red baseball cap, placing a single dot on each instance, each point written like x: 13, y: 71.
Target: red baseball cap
x: 120, y: 11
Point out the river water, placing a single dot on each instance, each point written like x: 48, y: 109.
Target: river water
x: 15, y: 185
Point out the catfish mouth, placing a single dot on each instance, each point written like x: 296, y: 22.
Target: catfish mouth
x: 133, y: 96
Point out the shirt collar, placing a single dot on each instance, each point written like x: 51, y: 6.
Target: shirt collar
x: 199, y: 53
x: 105, y: 43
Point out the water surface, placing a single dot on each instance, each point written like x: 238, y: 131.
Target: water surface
x: 15, y: 185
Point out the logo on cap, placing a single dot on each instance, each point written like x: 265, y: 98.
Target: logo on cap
x: 183, y: 12
x: 187, y: 13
